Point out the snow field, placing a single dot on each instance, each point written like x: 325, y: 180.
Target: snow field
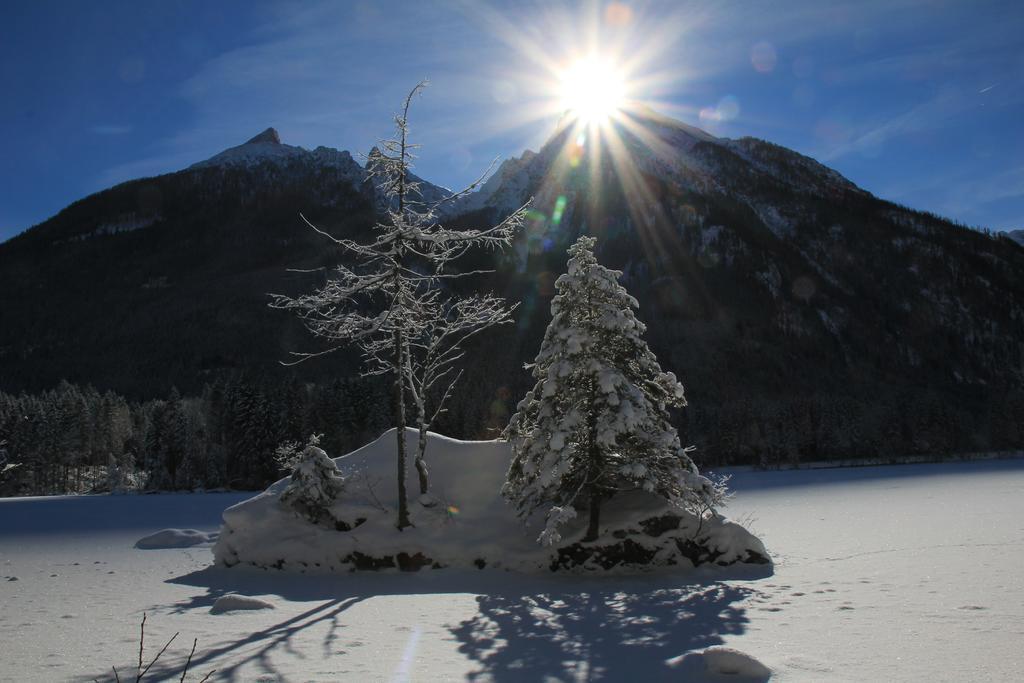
x: 903, y: 573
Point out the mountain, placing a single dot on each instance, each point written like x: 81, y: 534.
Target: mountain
x: 805, y: 316
x: 163, y: 281
x: 798, y: 308
x: 1016, y: 235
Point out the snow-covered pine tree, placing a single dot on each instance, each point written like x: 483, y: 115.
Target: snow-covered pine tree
x: 596, y: 422
x: 316, y: 483
x: 385, y: 301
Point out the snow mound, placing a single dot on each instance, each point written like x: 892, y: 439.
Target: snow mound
x: 175, y: 538
x: 726, y: 661
x: 464, y: 522
x: 720, y: 665
x: 233, y: 602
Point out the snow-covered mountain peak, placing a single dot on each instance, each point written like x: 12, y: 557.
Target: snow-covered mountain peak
x: 267, y: 148
x: 269, y: 135
x: 271, y: 160
x: 671, y: 153
x: 670, y: 128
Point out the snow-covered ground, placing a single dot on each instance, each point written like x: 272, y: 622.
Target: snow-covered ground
x: 887, y: 573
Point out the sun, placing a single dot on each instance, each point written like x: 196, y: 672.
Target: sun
x: 593, y: 90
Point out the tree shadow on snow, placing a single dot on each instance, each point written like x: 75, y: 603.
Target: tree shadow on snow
x: 528, y: 627
x: 602, y: 629
x: 229, y: 656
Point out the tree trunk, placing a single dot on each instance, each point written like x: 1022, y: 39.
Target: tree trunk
x: 595, y: 517
x: 595, y: 466
x: 403, y: 502
x: 421, y: 463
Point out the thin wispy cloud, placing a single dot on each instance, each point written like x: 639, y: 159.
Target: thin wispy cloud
x: 297, y: 75
x: 110, y: 129
x: 927, y: 116
x: 868, y: 76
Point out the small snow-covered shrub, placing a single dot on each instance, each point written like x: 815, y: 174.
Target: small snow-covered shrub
x: 288, y: 453
x: 315, y: 486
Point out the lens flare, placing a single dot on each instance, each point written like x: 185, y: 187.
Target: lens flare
x: 618, y: 14
x: 763, y: 57
x: 556, y: 215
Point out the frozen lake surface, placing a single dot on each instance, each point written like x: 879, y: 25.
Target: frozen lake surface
x: 883, y: 573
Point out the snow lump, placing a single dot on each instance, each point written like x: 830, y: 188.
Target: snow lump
x: 233, y: 602
x: 175, y: 538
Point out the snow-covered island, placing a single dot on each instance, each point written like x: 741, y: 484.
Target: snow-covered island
x: 465, y: 523
x: 593, y: 435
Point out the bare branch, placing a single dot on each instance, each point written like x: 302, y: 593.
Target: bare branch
x: 142, y: 642
x: 188, y: 661
x: 481, y: 179
x: 158, y: 654
x: 444, y: 397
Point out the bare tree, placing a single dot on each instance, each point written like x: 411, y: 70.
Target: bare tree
x: 432, y: 363
x: 386, y: 301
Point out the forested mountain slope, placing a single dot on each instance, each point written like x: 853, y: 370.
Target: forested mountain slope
x: 805, y: 317
x: 799, y: 309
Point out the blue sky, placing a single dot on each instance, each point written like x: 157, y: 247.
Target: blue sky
x: 918, y: 102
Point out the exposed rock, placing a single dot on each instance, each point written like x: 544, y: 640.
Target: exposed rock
x: 269, y: 135
x: 360, y: 561
x: 404, y: 561
x: 662, y: 541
